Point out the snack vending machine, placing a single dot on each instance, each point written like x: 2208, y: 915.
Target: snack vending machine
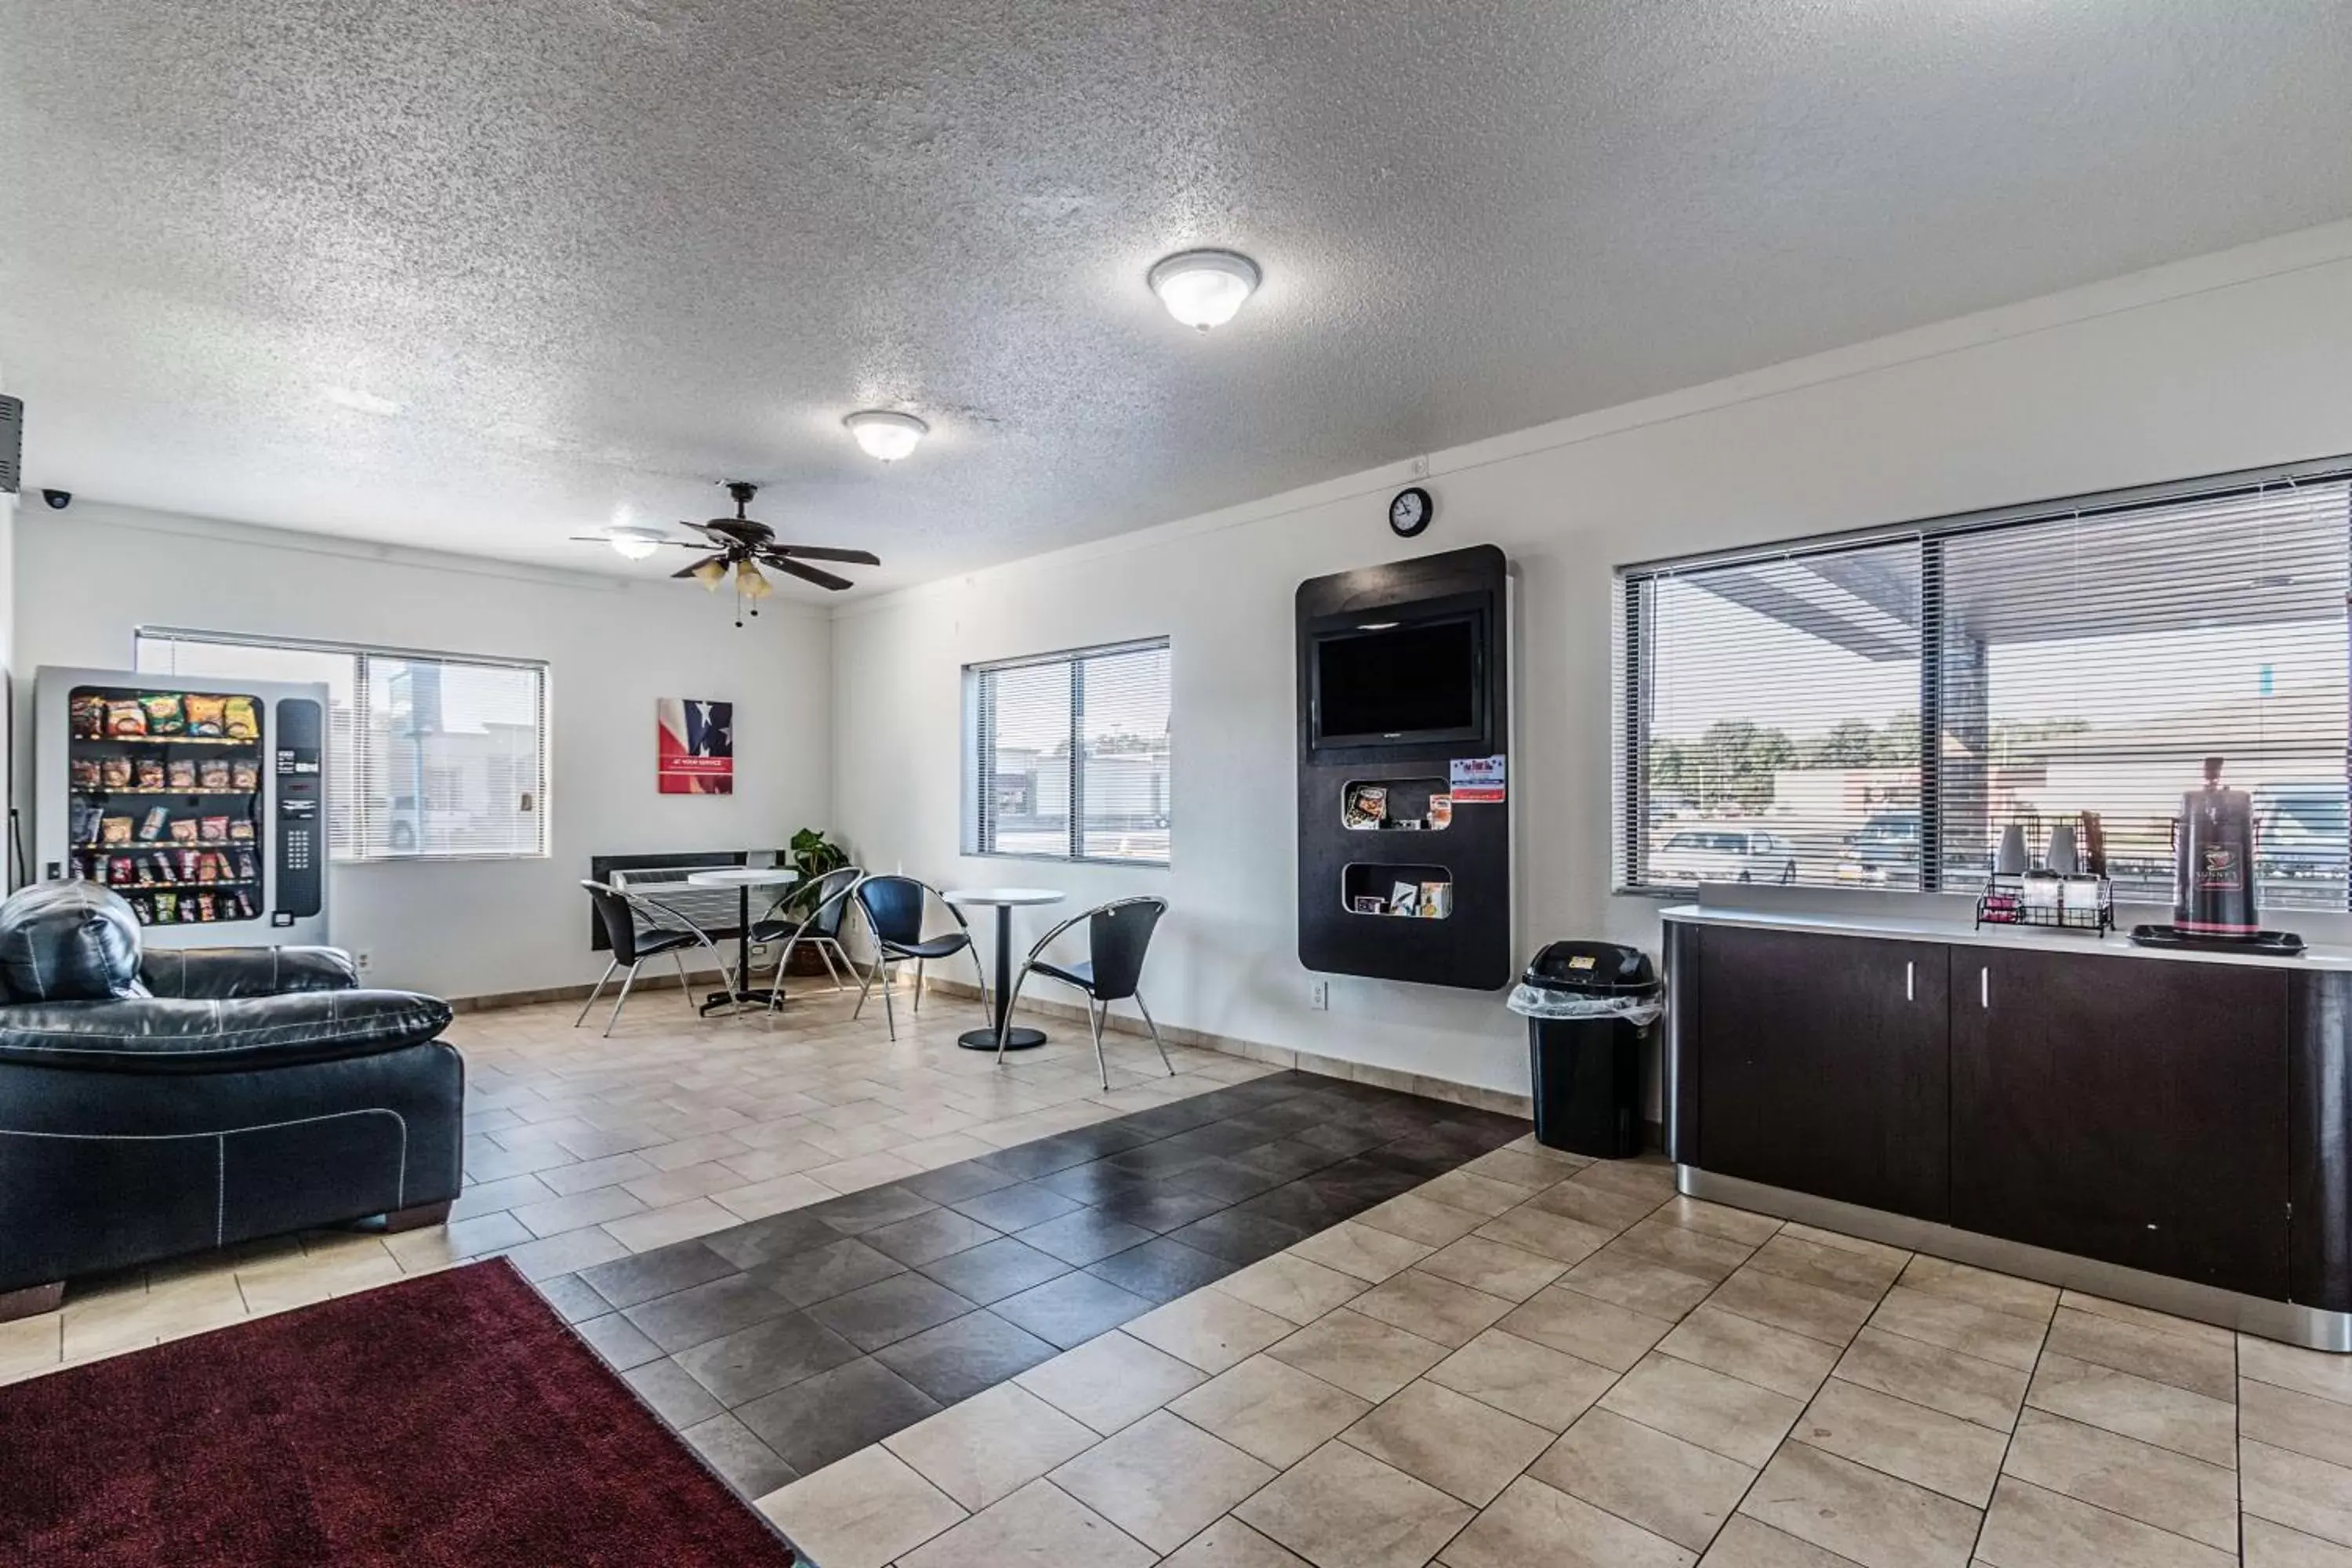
x: 203, y: 804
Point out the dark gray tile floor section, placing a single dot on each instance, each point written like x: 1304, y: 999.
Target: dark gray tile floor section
x: 780, y: 1346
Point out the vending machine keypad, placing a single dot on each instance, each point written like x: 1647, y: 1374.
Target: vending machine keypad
x: 301, y: 767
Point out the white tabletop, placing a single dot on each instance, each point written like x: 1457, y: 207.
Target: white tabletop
x: 744, y: 876
x: 1016, y: 897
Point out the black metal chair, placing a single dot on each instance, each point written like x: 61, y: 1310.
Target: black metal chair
x: 894, y: 907
x: 1119, y: 934
x: 666, y: 931
x: 827, y: 901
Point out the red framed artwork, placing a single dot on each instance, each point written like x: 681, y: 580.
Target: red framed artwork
x: 697, y: 752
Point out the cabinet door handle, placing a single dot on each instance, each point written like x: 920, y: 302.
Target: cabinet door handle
x: 1984, y: 986
x: 1908, y: 993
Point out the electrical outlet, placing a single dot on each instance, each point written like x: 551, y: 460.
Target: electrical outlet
x: 362, y: 960
x: 1319, y: 994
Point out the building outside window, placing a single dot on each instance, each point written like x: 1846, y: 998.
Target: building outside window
x: 1067, y: 755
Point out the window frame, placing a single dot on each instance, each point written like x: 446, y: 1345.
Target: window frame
x: 360, y: 653
x: 1634, y: 651
x: 976, y: 777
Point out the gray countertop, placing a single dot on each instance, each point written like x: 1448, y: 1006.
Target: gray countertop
x: 1918, y: 928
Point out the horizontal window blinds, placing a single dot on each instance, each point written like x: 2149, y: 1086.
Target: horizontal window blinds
x: 2093, y: 663
x: 454, y: 757
x: 1067, y: 755
x: 429, y: 756
x: 1123, y: 748
x: 1024, y: 760
x: 1775, y: 704
x: 1782, y: 709
x: 185, y: 657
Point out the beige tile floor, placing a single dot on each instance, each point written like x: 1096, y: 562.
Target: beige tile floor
x: 1531, y: 1360
x: 579, y: 1149
x: 1538, y: 1360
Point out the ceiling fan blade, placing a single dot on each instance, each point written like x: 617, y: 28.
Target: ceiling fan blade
x: 607, y: 539
x: 826, y: 553
x: 705, y: 561
x: 809, y: 573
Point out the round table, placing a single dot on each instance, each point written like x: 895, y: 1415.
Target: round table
x: 742, y: 879
x: 1005, y: 900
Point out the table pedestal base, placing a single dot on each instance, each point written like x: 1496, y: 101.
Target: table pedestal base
x: 1022, y: 1039
x: 737, y: 999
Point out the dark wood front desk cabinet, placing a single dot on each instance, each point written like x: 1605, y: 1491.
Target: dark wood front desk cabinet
x: 2185, y: 1119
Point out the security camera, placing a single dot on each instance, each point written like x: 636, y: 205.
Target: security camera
x: 59, y: 500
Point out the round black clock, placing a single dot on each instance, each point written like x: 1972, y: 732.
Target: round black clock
x: 1411, y: 511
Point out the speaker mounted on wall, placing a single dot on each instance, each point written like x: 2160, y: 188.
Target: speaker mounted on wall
x: 12, y: 443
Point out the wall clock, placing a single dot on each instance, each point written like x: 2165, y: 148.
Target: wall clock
x: 1411, y: 512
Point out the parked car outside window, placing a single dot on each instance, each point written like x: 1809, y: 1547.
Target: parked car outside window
x: 1724, y: 855
x: 1883, y: 849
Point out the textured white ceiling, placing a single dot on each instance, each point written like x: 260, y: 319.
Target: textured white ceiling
x: 605, y: 252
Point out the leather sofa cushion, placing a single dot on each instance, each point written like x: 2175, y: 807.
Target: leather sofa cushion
x: 220, y: 974
x: 167, y: 1035
x: 68, y: 942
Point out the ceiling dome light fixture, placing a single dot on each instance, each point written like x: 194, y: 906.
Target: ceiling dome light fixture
x: 1203, y: 289
x: 633, y: 541
x: 885, y: 433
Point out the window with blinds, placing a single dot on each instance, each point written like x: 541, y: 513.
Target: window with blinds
x: 430, y: 756
x: 1779, y: 718
x: 1065, y: 755
x: 2057, y: 661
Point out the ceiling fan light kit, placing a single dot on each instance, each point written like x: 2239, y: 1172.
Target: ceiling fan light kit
x: 885, y: 433
x: 742, y: 544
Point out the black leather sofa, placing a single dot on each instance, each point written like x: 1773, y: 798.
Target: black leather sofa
x: 158, y: 1104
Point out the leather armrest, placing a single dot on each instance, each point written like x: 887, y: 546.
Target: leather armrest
x: 175, y: 1036
x: 223, y: 973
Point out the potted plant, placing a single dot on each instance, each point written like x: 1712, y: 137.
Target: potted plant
x: 812, y: 855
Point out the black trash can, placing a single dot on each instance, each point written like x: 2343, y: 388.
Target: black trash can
x: 1589, y: 1007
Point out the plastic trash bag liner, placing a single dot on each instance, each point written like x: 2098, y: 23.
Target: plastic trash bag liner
x: 1537, y: 1002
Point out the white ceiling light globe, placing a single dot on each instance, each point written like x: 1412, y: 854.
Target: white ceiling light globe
x: 634, y: 542
x: 885, y: 433
x: 1203, y: 289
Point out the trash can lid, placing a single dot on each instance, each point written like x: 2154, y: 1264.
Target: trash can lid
x: 1593, y: 968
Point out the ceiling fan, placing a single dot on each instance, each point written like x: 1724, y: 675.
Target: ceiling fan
x: 744, y: 544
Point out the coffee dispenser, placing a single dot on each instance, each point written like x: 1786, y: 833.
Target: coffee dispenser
x: 2213, y: 892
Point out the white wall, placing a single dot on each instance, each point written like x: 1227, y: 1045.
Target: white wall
x: 2226, y: 362
x: 8, y: 504
x: 89, y: 577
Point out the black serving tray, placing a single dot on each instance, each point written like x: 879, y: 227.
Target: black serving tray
x: 2270, y: 944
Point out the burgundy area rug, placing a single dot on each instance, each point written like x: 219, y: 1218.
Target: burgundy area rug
x: 449, y: 1420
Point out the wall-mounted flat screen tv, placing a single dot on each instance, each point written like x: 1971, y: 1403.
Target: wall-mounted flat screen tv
x: 1387, y: 683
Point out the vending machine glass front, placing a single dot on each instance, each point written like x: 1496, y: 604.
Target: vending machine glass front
x: 165, y: 792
